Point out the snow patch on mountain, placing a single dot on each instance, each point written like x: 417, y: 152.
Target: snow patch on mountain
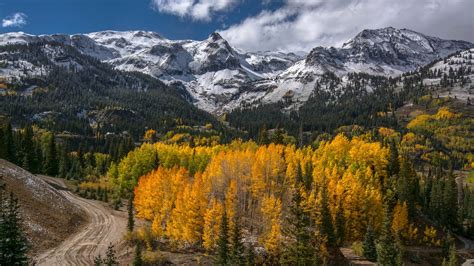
x: 220, y: 77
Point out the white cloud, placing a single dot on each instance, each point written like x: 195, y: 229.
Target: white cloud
x: 195, y: 9
x: 15, y: 20
x: 304, y: 24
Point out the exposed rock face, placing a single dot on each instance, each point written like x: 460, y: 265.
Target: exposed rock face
x: 219, y: 77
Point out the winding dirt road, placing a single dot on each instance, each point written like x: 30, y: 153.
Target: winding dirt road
x: 105, y: 226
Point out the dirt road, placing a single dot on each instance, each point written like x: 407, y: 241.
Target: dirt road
x: 104, y: 226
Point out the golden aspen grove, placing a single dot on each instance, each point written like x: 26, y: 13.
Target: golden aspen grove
x: 184, y: 202
x: 341, y: 186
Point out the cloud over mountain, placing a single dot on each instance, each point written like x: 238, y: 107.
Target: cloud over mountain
x: 302, y: 24
x: 195, y: 9
x: 15, y: 20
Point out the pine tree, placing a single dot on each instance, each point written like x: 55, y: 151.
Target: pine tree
x: 249, y: 256
x: 138, y: 260
x: 98, y: 261
x: 111, y: 257
x: 237, y: 247
x: 308, y: 177
x: 223, y: 242
x: 435, y: 203
x: 408, y: 187
x: 38, y: 162
x: 447, y: 243
x: 13, y: 242
x: 450, y: 204
x: 387, y: 251
x: 131, y: 218
x: 299, y: 251
x: 51, y: 166
x: 452, y: 260
x: 340, y: 224
x: 428, y: 184
x: 326, y: 220
x: 10, y: 147
x: 393, y: 166
x: 27, y: 147
x: 64, y: 163
x: 370, y: 250
x: 263, y: 136
x: 3, y: 147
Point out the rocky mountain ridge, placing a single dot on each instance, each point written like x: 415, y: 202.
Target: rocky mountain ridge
x: 220, y: 78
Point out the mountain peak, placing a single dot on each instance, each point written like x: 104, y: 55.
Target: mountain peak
x: 215, y: 36
x: 372, y: 37
x: 385, y: 51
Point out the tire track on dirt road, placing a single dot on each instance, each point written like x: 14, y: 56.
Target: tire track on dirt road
x: 104, y: 226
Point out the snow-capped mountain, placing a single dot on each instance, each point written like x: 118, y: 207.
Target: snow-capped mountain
x: 220, y: 77
x: 386, y: 51
x: 453, y: 76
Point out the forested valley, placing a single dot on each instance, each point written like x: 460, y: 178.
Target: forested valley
x: 383, y: 174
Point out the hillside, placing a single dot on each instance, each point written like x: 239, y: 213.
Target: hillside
x: 62, y: 89
x: 48, y: 216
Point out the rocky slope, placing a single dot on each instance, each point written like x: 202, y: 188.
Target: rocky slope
x: 453, y: 76
x: 220, y: 77
x: 49, y: 217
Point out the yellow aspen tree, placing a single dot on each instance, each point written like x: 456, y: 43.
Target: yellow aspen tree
x: 177, y: 222
x: 273, y: 240
x: 400, y: 218
x: 231, y: 202
x: 195, y: 212
x: 271, y: 210
x: 212, y: 220
x: 150, y: 135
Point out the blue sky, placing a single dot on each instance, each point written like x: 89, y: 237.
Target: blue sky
x: 83, y: 16
x: 287, y: 25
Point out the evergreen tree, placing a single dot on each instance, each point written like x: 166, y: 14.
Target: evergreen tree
x: 450, y: 202
x: 64, y: 163
x: 223, y: 242
x: 327, y: 227
x: 138, y: 260
x: 393, y: 166
x: 111, y: 257
x: 435, y: 202
x: 13, y: 242
x: 299, y: 251
x: 387, y: 252
x: 428, y: 184
x: 408, y: 187
x: 38, y: 162
x: 131, y: 218
x: 249, y: 256
x: 10, y: 147
x: 28, y: 149
x: 447, y: 243
x: 308, y: 177
x: 51, y: 164
x: 76, y: 170
x: 370, y: 250
x: 3, y: 147
x: 263, y: 136
x: 452, y: 260
x: 98, y: 261
x: 237, y: 256
x: 340, y: 224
